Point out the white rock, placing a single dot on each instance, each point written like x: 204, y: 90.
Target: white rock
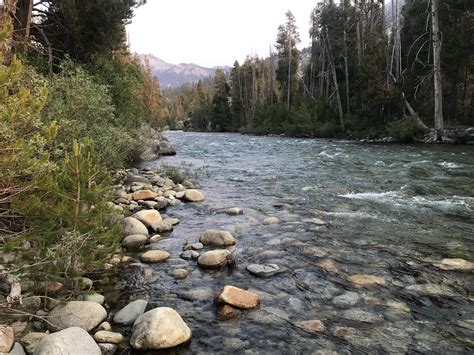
x: 129, y: 313
x: 70, y: 341
x: 150, y: 218
x: 83, y: 314
x: 133, y: 226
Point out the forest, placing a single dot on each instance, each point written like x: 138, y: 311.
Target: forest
x: 372, y: 69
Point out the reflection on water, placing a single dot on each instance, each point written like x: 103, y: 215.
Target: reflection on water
x: 391, y: 210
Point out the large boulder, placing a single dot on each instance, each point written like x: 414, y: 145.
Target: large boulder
x: 214, y: 259
x: 82, y: 314
x: 133, y: 226
x: 217, y: 238
x: 7, y: 338
x: 164, y: 148
x: 160, y: 328
x: 150, y: 218
x: 238, y: 298
x: 192, y: 195
x: 70, y: 341
x: 129, y: 313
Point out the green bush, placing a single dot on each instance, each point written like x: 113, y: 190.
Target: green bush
x: 404, y: 131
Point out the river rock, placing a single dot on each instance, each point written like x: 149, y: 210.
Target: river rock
x: 17, y: 350
x: 173, y: 221
x: 164, y: 148
x: 154, y: 256
x: 192, y: 195
x: 329, y: 266
x: 264, y: 270
x: 194, y: 246
x: 359, y: 315
x: 179, y: 273
x: 107, y: 348
x: 150, y: 218
x: 82, y: 314
x: 317, y: 221
x: 7, y: 338
x: 133, y: 226
x: 104, y: 326
x: 160, y: 328
x: 129, y: 313
x: 180, y: 194
x: 144, y: 195
x: 234, y: 211
x: 366, y: 280
x: 214, y: 259
x: 134, y: 241
x: 190, y: 255
x: 217, y: 238
x: 271, y: 220
x: 94, y: 297
x: 70, y: 341
x: 311, y: 326
x: 163, y: 226
x: 104, y: 336
x: 238, y: 298
x: 347, y: 299
x: 455, y: 264
x: 431, y: 290
x: 225, y: 312
x: 31, y: 341
x: 342, y: 331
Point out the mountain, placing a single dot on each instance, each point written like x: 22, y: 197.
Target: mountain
x: 174, y: 75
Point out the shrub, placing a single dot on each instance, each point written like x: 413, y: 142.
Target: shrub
x: 404, y: 131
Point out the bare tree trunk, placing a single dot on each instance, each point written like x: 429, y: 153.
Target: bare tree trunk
x: 22, y: 25
x: 272, y: 69
x: 359, y: 45
x: 438, y: 88
x: 7, y: 14
x: 346, y: 70
x: 289, y: 69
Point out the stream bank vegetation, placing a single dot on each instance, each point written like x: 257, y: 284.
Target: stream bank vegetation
x: 373, y: 69
x: 75, y: 105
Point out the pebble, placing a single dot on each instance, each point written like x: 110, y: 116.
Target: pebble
x: 311, y: 326
x: 264, y: 270
x: 190, y: 255
x: 105, y: 336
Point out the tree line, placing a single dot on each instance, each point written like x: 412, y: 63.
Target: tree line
x: 372, y: 69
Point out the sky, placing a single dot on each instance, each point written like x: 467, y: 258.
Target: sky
x: 213, y: 32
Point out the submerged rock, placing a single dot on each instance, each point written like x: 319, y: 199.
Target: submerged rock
x: 192, y: 195
x: 238, y: 298
x: 347, y: 299
x: 133, y: 226
x: 234, y: 211
x: 225, y: 312
x: 71, y: 341
x: 431, y: 290
x: 342, y: 331
x: 271, y: 220
x: 366, y: 280
x: 179, y: 273
x: 129, y: 313
x: 329, y: 266
x: 154, y: 256
x: 194, y: 246
x: 82, y: 314
x: 455, y: 264
x: 160, y: 328
x: 264, y: 270
x: 311, y: 326
x: 214, y: 259
x: 190, y: 255
x: 217, y: 238
x: 360, y: 315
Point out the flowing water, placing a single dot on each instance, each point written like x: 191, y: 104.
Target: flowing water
x: 391, y: 210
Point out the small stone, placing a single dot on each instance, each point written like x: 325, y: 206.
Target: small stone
x: 104, y: 336
x: 190, y: 255
x: 163, y: 227
x: 150, y: 218
x: 264, y: 270
x: 399, y: 306
x: 214, y: 259
x: 154, y: 256
x: 347, y: 299
x: 155, y: 238
x: 95, y: 297
x: 366, y: 280
x: 217, y: 238
x: 19, y: 326
x: 179, y: 273
x: 311, y: 326
x: 234, y: 211
x: 173, y: 221
x: 72, y: 340
x: 180, y: 194
x: 342, y: 331
x: 134, y: 241
x: 107, y: 348
x: 194, y: 246
x: 129, y: 313
x: 31, y: 341
x: 455, y: 264
x: 150, y: 204
x: 144, y: 195
x: 147, y: 273
x: 329, y: 266
x: 192, y: 195
x: 133, y: 226
x: 160, y: 328
x: 7, y: 338
x: 238, y: 298
x: 104, y: 326
x: 169, y: 193
x: 271, y: 220
x: 225, y: 312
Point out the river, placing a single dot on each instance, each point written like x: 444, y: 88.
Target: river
x: 392, y: 211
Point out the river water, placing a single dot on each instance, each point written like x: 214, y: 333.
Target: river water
x: 392, y: 211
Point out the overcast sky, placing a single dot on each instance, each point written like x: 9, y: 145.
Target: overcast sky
x: 213, y: 32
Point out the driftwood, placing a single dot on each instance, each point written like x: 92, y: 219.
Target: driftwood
x: 14, y: 283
